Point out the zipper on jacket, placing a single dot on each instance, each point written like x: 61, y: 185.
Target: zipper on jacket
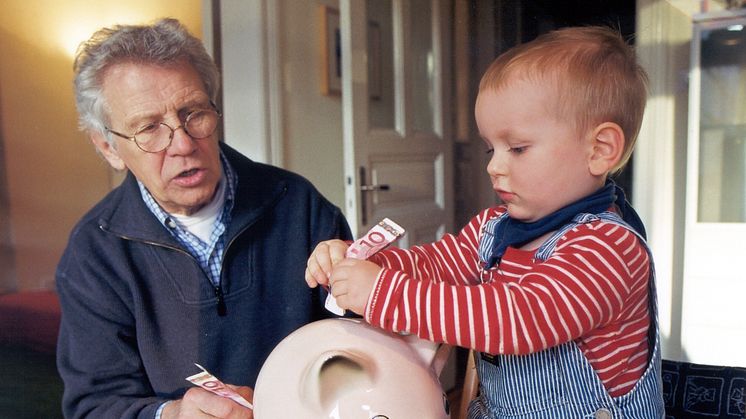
x: 220, y: 301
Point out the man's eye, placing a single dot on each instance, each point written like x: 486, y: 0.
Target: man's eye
x: 148, y: 129
x: 200, y: 113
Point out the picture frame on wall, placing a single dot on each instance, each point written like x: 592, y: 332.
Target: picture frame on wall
x: 331, y: 52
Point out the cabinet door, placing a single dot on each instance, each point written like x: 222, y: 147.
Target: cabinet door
x: 715, y: 250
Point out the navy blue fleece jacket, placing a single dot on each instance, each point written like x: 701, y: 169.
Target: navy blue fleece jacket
x: 138, y: 312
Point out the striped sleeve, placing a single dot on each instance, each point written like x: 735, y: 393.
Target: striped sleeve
x: 596, y: 276
x: 452, y: 259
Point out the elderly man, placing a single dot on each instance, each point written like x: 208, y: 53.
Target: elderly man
x: 197, y: 257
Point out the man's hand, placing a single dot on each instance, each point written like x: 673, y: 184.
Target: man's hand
x: 200, y: 403
x: 352, y: 282
x: 322, y: 260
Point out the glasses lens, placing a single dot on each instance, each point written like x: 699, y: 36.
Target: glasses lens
x: 157, y: 136
x: 153, y: 137
x: 201, y: 124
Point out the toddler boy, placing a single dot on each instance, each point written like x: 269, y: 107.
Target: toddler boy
x: 555, y: 287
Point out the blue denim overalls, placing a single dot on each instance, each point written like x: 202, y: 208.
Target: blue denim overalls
x: 559, y: 382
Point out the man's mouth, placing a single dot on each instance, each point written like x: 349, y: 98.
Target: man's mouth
x: 187, y: 173
x: 190, y: 178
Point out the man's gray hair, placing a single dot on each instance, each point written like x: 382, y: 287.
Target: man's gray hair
x: 165, y: 43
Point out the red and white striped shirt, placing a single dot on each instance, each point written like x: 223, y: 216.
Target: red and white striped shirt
x: 593, y: 290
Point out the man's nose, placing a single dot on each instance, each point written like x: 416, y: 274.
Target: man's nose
x: 181, y: 142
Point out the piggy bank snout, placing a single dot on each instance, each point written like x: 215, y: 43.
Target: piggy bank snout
x: 338, y: 375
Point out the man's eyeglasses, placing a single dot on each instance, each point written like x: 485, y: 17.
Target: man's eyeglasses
x: 157, y: 136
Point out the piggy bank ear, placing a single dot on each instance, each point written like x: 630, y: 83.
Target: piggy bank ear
x: 337, y: 375
x: 432, y: 354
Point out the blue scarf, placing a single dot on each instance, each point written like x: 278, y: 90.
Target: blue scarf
x: 513, y: 233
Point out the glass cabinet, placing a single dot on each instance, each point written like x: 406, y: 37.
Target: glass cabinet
x: 715, y: 228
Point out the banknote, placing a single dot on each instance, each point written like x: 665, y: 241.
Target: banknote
x: 378, y: 237
x: 209, y: 382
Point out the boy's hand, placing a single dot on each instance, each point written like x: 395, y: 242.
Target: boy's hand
x: 352, y: 282
x: 322, y: 260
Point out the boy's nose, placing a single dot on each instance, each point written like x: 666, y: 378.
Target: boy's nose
x: 497, y: 165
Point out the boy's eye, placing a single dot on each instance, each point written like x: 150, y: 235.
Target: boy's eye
x: 490, y: 150
x: 517, y: 150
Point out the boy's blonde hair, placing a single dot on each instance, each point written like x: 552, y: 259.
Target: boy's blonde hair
x: 595, y: 72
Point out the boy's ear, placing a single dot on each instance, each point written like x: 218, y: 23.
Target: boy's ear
x: 608, y: 145
x: 107, y: 150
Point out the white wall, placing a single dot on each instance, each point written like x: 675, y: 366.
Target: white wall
x: 245, y: 93
x: 274, y: 109
x: 312, y: 121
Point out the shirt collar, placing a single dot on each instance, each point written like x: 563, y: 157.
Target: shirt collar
x: 164, y: 217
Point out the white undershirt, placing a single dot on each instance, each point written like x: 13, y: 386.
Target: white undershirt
x: 202, y: 222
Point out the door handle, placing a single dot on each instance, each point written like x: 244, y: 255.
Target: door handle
x: 375, y: 187
x: 365, y: 187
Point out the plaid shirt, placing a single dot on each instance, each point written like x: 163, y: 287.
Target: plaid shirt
x: 208, y: 255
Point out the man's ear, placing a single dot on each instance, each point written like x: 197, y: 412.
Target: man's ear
x: 608, y: 145
x: 107, y: 150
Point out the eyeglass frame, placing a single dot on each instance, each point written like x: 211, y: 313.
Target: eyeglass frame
x: 173, y: 130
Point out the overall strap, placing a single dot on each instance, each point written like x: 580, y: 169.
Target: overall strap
x: 546, y: 249
x: 487, y: 241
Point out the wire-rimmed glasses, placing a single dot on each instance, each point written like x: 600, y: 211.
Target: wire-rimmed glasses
x: 157, y: 136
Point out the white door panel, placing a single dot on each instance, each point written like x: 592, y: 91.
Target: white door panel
x: 411, y: 179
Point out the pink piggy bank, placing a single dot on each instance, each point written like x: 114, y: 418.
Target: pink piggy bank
x: 347, y: 369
